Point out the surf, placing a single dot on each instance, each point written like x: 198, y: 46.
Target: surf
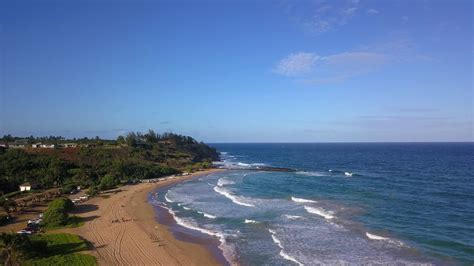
x: 207, y: 215
x: 300, y: 200
x: 320, y: 212
x: 282, y: 253
x: 233, y: 198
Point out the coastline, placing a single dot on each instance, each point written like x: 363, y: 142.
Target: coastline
x: 124, y: 230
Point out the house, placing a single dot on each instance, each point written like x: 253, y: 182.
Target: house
x: 18, y: 144
x: 36, y: 145
x: 69, y: 145
x: 4, y: 145
x: 47, y: 146
x: 25, y: 186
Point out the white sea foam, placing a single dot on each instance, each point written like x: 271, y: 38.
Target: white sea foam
x: 320, y: 212
x: 224, y: 181
x: 348, y: 173
x: 248, y: 221
x: 235, y: 199
x: 250, y: 164
x: 293, y: 217
x: 376, y: 237
x: 167, y: 199
x: 186, y: 208
x: 226, y: 250
x: 311, y: 173
x: 224, y: 152
x: 300, y: 200
x: 207, y: 215
x: 283, y: 254
x: 381, y: 238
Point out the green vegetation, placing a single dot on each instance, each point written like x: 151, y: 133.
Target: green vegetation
x: 68, y: 259
x: 56, y: 216
x: 16, y: 248
x: 46, y: 249
x: 99, y: 164
x: 60, y: 244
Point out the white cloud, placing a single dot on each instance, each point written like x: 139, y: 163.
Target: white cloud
x: 372, y: 11
x: 321, y: 16
x: 296, y: 64
x: 311, y: 68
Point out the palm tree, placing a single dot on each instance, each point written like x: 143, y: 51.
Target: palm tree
x: 12, y: 244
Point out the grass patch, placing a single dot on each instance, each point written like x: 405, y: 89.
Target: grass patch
x: 59, y: 244
x: 69, y: 259
x: 73, y: 221
x: 62, y: 250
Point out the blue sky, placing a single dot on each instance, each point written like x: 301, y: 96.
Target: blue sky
x: 239, y: 71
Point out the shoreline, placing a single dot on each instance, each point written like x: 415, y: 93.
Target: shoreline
x: 124, y: 229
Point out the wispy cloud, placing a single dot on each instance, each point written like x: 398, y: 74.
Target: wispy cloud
x: 321, y: 16
x: 310, y: 67
x: 297, y: 64
x: 372, y: 11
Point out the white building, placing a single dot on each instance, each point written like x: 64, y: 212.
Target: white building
x: 47, y: 146
x: 25, y: 186
x: 69, y: 145
x: 36, y: 145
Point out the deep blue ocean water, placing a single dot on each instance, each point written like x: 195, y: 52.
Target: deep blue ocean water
x: 348, y: 203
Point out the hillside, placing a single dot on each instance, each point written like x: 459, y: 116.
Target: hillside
x: 135, y: 156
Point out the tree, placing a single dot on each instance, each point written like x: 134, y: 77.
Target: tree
x: 151, y: 136
x: 55, y: 217
x: 12, y: 244
x: 107, y: 182
x: 56, y: 214
x: 15, y: 247
x: 8, y: 205
x: 131, y: 139
x: 93, y: 190
x: 120, y: 140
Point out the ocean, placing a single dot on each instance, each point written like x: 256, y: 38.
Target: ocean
x: 346, y: 203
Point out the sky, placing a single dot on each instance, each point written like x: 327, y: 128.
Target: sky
x: 239, y: 71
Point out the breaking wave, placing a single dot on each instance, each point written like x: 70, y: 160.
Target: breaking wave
x: 300, y: 200
x: 167, y: 199
x: 283, y: 254
x: 207, y: 215
x: 235, y: 199
x: 248, y: 221
x: 293, y: 217
x: 224, y: 181
x: 318, y: 211
x: 311, y: 173
x: 226, y: 250
x: 381, y: 238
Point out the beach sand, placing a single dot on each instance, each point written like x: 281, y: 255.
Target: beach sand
x: 135, y: 237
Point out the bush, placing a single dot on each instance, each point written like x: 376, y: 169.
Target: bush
x: 108, y: 182
x: 92, y: 191
x: 3, y: 219
x: 68, y: 188
x: 54, y: 217
x: 56, y: 214
x: 62, y: 203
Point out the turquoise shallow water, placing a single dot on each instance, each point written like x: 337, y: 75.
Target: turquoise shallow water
x: 347, y: 203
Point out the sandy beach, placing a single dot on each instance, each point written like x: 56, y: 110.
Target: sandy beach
x: 123, y: 230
